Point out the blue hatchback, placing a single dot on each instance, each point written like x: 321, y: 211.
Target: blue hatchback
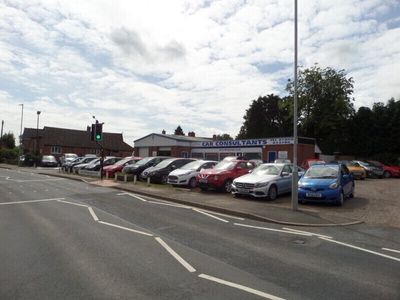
x: 330, y: 183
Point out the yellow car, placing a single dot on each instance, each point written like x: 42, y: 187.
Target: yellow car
x: 355, y: 169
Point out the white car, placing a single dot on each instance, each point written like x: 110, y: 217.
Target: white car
x: 186, y: 175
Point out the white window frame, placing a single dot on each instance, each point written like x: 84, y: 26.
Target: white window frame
x: 55, y: 150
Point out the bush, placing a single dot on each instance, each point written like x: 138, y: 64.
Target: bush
x: 7, y: 155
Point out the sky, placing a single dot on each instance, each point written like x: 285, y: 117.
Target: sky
x: 144, y: 66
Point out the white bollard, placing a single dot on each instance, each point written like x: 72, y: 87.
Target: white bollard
x: 125, y: 178
x: 134, y: 179
x: 148, y: 181
x: 106, y: 175
x: 115, y: 177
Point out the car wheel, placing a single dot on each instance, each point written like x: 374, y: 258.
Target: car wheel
x: 351, y: 195
x: 228, y: 186
x: 272, y: 192
x: 341, y: 199
x: 164, y: 179
x: 192, y: 183
x: 386, y: 174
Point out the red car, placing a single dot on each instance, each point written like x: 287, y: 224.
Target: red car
x: 119, y: 165
x: 311, y: 161
x: 388, y: 171
x: 221, y: 176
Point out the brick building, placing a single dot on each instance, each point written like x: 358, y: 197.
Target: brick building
x: 267, y: 149
x: 57, y: 141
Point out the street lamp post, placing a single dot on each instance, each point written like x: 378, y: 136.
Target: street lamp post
x: 20, y: 135
x: 295, y: 171
x: 37, y: 132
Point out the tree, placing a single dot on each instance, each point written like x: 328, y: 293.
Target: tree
x: 223, y: 136
x: 8, y: 140
x: 179, y: 131
x: 268, y: 116
x: 325, y: 104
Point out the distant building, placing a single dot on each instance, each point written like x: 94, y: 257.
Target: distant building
x: 57, y: 141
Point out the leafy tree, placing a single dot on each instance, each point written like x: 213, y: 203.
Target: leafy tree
x: 8, y: 140
x: 223, y: 136
x: 179, y: 131
x: 325, y: 104
x: 267, y: 116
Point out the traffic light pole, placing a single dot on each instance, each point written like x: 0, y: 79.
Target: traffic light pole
x: 101, y: 159
x: 96, y: 135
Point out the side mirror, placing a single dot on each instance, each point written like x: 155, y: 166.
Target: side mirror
x: 301, y: 174
x: 173, y: 167
x: 345, y: 176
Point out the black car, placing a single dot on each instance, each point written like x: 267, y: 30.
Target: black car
x: 110, y: 160
x: 159, y: 173
x: 49, y: 161
x: 143, y: 164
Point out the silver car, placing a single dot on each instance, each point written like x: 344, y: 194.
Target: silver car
x: 267, y: 180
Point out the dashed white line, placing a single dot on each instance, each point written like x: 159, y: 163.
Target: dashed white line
x: 31, y: 201
x: 392, y: 250
x: 273, y: 229
x: 361, y: 249
x: 240, y: 287
x: 302, y: 231
x: 94, y: 216
x: 183, y: 262
x: 210, y: 215
x: 125, y: 228
x: 73, y: 203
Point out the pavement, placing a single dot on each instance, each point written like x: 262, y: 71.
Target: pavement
x: 254, y: 209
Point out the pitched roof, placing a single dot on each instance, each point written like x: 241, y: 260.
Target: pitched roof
x: 77, y: 138
x: 183, y: 138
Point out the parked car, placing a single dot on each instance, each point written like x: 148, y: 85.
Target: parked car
x: 355, y: 169
x: 159, y: 173
x: 330, y: 183
x: 119, y: 165
x: 222, y: 175
x: 371, y: 170
x: 388, y: 171
x: 311, y: 161
x: 68, y: 167
x: 187, y: 174
x: 68, y: 157
x: 143, y: 164
x: 265, y: 181
x: 108, y: 160
x: 78, y: 167
x: 48, y: 161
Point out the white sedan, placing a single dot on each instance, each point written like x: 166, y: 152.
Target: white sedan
x: 186, y: 176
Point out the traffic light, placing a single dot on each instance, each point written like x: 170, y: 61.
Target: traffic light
x: 93, y: 132
x: 98, y: 132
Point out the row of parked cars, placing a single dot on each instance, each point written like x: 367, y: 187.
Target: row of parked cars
x: 319, y: 181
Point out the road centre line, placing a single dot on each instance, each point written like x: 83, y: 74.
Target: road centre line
x: 125, y: 228
x: 133, y: 196
x: 73, y: 203
x: 31, y: 201
x: 94, y: 216
x: 273, y: 229
x: 176, y: 255
x: 240, y: 287
x: 211, y: 216
x: 361, y: 249
x: 302, y: 231
x: 168, y: 204
x: 392, y: 250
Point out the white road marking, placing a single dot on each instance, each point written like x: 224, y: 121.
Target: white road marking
x: 302, y: 231
x: 176, y: 255
x: 392, y: 250
x: 273, y: 229
x: 31, y: 201
x: 223, y: 215
x: 240, y: 287
x: 94, y: 216
x: 125, y: 228
x: 32, y: 180
x: 73, y: 203
x: 168, y: 204
x: 211, y: 216
x: 361, y: 249
x: 133, y: 196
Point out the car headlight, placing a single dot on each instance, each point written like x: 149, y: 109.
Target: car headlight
x: 261, y: 184
x: 334, y: 185
x: 300, y: 184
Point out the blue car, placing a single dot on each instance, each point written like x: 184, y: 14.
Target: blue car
x: 330, y: 183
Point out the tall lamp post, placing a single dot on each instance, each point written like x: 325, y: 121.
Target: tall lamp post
x: 37, y: 132
x: 295, y: 171
x: 20, y: 134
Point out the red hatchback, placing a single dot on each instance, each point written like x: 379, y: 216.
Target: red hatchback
x: 119, y: 165
x: 388, y: 171
x: 221, y: 176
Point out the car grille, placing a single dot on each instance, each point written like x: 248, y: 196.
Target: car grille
x: 313, y: 189
x: 244, y: 185
x: 173, y: 177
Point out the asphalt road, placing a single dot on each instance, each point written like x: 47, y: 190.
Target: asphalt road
x: 63, y: 239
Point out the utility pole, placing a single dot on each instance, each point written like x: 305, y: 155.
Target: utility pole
x: 2, y: 124
x: 20, y: 135
x: 295, y: 171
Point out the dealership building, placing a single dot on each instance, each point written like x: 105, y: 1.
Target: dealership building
x: 267, y: 149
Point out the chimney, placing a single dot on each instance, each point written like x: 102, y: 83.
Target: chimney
x: 214, y: 137
x: 163, y: 132
x: 191, y: 133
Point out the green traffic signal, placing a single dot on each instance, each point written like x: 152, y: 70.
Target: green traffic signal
x: 98, y: 137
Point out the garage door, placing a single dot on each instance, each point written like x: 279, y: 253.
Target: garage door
x: 143, y: 152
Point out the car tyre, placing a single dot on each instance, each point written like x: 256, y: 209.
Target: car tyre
x: 351, y: 195
x: 272, y: 192
x: 341, y: 199
x: 386, y: 174
x: 228, y: 186
x: 192, y: 183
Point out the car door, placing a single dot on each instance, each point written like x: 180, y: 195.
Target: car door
x: 346, y: 179
x: 285, y: 181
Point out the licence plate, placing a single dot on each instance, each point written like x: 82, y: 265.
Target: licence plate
x: 243, y: 190
x: 314, y: 195
x: 203, y: 180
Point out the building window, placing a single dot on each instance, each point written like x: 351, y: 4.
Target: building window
x: 55, y: 150
x: 184, y: 154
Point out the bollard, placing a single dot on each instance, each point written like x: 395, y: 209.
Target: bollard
x: 115, y: 177
x: 125, y: 178
x: 148, y: 181
x: 59, y: 170
x: 134, y: 179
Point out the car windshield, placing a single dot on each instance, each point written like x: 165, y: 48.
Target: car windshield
x: 225, y: 165
x: 267, y: 170
x: 49, y: 157
x: 315, y: 162
x: 70, y: 155
x: 144, y: 161
x: 322, y: 172
x: 194, y: 165
x: 165, y: 163
x: 122, y: 161
x: 348, y: 163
